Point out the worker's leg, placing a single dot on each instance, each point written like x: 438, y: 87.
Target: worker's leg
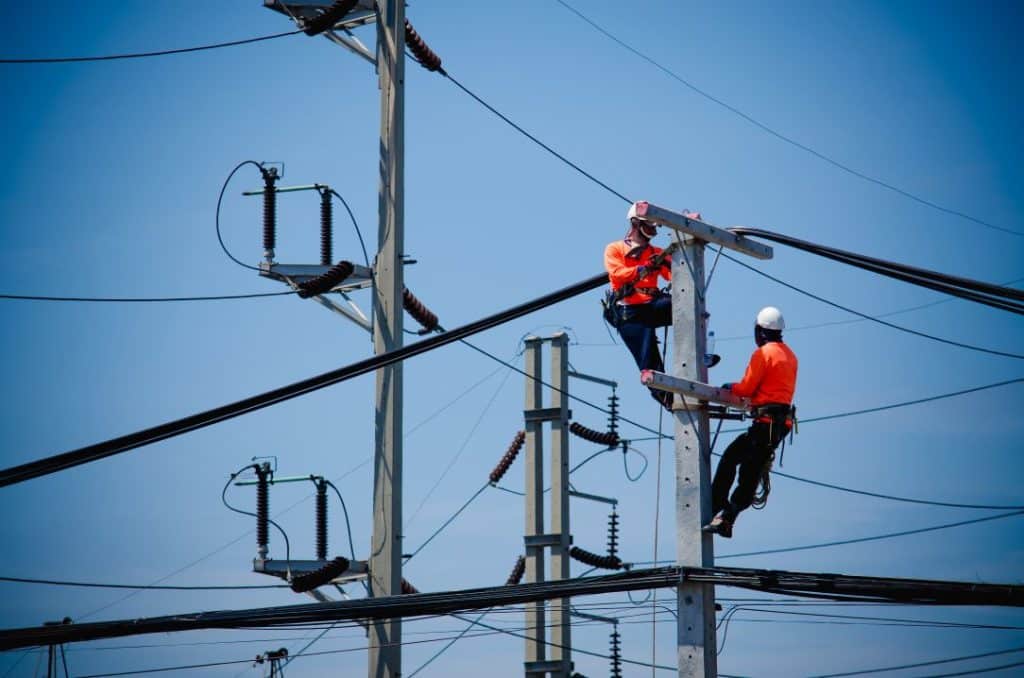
x: 760, y: 449
x: 725, y: 474
x: 637, y: 332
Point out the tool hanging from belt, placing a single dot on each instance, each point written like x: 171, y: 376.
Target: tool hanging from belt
x: 773, y: 414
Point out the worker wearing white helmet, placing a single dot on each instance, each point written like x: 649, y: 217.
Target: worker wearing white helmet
x: 635, y: 306
x: 769, y: 382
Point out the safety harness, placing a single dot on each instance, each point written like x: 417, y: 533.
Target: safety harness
x: 610, y: 307
x: 773, y: 414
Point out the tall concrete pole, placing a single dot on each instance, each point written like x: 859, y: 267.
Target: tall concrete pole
x: 534, y: 501
x: 385, y: 656
x: 695, y: 632
x: 561, y: 640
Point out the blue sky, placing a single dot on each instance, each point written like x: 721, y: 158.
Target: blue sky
x: 112, y: 175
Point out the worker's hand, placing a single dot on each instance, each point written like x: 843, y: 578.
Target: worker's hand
x: 693, y: 215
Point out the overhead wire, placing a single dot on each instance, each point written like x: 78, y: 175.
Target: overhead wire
x: 147, y: 587
x: 779, y: 135
x: 122, y: 300
x: 917, y: 665
x: 141, y: 55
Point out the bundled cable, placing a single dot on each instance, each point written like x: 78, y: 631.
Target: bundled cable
x: 517, y: 572
x: 420, y: 313
x: 330, y: 16
x: 426, y: 56
x: 997, y: 296
x: 594, y: 560
x: 609, y: 439
x: 324, y: 575
x: 327, y: 281
x: 510, y: 456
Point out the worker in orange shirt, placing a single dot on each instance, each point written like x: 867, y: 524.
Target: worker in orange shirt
x: 769, y: 382
x: 636, y: 306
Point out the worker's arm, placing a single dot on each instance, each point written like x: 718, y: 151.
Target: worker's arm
x: 620, y: 270
x: 751, y: 378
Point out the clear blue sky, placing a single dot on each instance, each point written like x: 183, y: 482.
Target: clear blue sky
x: 111, y: 176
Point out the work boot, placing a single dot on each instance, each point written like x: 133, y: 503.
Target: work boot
x: 711, y: 359
x: 663, y: 397
x: 721, y: 525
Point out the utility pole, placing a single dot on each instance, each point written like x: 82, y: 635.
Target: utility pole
x: 695, y: 630
x: 385, y: 655
x: 536, y: 538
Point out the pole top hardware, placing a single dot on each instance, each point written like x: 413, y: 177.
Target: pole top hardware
x: 701, y: 230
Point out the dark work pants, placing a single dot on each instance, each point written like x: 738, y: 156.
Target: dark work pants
x: 749, y: 452
x: 637, y: 330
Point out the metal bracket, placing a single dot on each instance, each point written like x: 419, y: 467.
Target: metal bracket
x: 701, y: 230
x: 546, y: 414
x: 594, y: 497
x: 696, y: 389
x: 357, y: 569
x: 361, y: 15
x: 544, y: 540
x: 596, y: 380
x: 544, y: 667
x: 351, y: 43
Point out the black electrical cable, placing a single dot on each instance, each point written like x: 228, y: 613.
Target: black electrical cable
x: 219, y: 297
x: 220, y: 199
x: 344, y: 510
x: 84, y: 584
x: 447, y: 522
x: 873, y: 319
x: 140, y: 55
x: 137, y: 439
x: 950, y: 284
x: 164, y: 669
x: 858, y: 540
x: 918, y: 665
x: 223, y: 498
x: 359, y: 234
x: 782, y: 137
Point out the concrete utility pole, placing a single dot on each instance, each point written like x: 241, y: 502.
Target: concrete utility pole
x: 536, y: 539
x: 385, y: 655
x: 695, y: 631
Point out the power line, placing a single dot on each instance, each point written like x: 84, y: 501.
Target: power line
x: 199, y: 420
x: 970, y: 347
x: 148, y: 587
x: 219, y: 297
x: 858, y: 540
x: 141, y: 55
x: 779, y: 135
x: 920, y: 664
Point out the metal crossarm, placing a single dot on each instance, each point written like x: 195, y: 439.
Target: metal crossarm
x: 695, y: 389
x: 701, y: 230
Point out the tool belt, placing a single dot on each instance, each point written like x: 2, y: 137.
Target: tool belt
x: 647, y: 291
x: 773, y: 413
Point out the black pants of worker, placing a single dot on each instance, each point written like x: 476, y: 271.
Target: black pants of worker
x: 749, y: 453
x: 637, y: 329
x: 637, y: 326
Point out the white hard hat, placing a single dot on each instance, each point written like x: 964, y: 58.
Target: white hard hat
x: 770, y: 318
x: 632, y: 213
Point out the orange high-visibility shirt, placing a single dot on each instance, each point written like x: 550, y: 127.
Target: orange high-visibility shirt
x: 622, y: 269
x: 770, y: 375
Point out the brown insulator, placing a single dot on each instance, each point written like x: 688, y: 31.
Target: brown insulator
x: 321, y: 576
x: 418, y: 311
x: 610, y: 439
x: 517, y: 572
x: 510, y: 456
x: 594, y: 560
x: 330, y: 16
x: 426, y: 56
x: 327, y: 281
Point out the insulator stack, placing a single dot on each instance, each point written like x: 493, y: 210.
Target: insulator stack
x: 324, y: 575
x: 407, y: 588
x: 262, y: 510
x: 324, y: 283
x: 613, y: 413
x: 426, y: 56
x: 419, y: 312
x: 510, y: 456
x: 326, y: 226
x: 613, y: 534
x: 610, y: 439
x: 321, y: 520
x: 330, y: 16
x: 517, y: 572
x: 616, y: 654
x: 269, y: 212
x: 594, y: 560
